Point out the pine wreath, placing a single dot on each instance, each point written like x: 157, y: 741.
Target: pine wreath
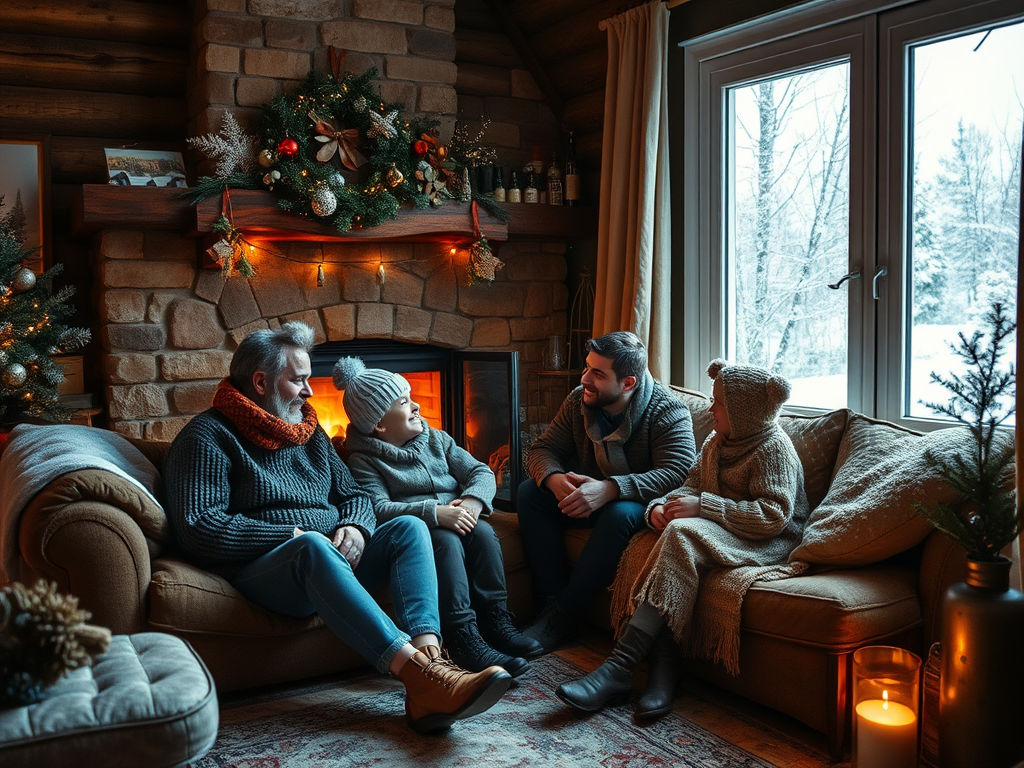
x: 335, y: 152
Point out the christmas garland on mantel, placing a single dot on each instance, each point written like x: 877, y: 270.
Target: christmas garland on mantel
x: 335, y: 152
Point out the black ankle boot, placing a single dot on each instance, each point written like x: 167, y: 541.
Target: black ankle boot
x: 497, y: 629
x: 614, y: 678
x: 662, y: 677
x: 552, y: 627
x: 470, y: 651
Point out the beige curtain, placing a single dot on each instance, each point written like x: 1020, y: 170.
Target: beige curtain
x: 634, y: 235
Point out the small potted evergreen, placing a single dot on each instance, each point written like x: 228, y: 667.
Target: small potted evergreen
x: 982, y: 671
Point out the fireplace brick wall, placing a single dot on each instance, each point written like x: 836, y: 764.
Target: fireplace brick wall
x: 169, y: 327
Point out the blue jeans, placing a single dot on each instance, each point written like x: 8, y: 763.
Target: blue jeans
x: 541, y: 524
x: 307, y: 575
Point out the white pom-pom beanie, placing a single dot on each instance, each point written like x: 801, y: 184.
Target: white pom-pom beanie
x: 369, y: 392
x: 753, y: 396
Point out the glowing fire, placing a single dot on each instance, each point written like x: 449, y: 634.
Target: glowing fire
x: 426, y: 390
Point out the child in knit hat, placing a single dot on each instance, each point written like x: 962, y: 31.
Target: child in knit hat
x: 410, y: 469
x: 734, y: 521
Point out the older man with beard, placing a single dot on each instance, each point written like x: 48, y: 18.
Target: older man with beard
x: 619, y: 441
x: 256, y: 492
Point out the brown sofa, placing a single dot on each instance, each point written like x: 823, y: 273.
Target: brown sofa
x: 878, y: 577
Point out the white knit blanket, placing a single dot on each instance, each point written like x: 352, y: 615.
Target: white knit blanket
x: 37, y: 454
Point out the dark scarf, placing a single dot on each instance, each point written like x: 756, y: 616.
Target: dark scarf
x: 258, y: 425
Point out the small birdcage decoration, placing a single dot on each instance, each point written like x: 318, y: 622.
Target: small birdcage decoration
x: 581, y: 322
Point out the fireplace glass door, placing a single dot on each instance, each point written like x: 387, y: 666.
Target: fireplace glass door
x: 474, y: 396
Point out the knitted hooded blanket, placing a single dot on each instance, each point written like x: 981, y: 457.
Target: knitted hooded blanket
x: 697, y: 571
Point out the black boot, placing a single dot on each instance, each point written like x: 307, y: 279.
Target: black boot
x: 614, y: 678
x: 663, y: 673
x: 469, y: 651
x: 497, y: 629
x: 552, y: 627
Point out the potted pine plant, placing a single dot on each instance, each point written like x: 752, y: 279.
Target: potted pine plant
x: 982, y: 671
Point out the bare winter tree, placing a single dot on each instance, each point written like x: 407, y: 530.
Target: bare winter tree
x: 792, y: 246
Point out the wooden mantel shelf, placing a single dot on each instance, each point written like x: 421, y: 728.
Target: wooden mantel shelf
x: 102, y: 206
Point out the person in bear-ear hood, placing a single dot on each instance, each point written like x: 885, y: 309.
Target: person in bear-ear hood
x: 734, y: 521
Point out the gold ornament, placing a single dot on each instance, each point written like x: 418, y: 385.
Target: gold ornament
x: 14, y: 375
x: 24, y: 279
x: 266, y: 158
x: 394, y: 177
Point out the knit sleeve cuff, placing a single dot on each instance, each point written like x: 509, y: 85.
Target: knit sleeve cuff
x: 647, y: 512
x: 712, y: 507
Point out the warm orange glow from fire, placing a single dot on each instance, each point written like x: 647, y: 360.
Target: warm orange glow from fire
x: 426, y: 390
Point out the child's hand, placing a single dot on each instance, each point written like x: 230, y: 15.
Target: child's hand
x: 682, y: 506
x: 458, y: 519
x: 474, y: 505
x: 657, y: 517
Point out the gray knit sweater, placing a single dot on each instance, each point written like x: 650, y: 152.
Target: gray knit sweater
x: 230, y: 501
x: 412, y: 480
x: 655, y: 440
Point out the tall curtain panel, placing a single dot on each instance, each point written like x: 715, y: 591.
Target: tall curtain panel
x: 632, y: 285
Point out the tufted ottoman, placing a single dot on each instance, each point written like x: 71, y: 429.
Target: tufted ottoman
x: 149, y: 702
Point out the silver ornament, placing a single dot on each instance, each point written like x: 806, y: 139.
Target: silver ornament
x: 3, y: 358
x: 337, y: 181
x: 323, y: 202
x: 24, y: 279
x: 14, y: 375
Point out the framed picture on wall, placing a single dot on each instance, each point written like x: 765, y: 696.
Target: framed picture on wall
x: 25, y: 191
x: 145, y: 168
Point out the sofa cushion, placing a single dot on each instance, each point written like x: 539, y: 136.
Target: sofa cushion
x: 839, y: 609
x: 698, y: 403
x: 184, y: 598
x: 869, y: 512
x: 816, y: 440
x: 148, y: 701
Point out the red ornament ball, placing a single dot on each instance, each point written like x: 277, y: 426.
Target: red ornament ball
x: 287, y: 148
x: 420, y: 148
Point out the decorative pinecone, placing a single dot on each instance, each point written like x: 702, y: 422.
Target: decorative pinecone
x: 43, y: 634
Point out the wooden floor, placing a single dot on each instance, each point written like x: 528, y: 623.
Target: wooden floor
x: 772, y: 736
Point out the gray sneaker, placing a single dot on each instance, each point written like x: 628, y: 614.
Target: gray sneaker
x: 553, y: 627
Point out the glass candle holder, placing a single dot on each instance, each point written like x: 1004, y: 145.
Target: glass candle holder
x: 556, y: 354
x: 886, y: 707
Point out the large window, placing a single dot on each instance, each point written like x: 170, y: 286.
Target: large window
x: 855, y: 197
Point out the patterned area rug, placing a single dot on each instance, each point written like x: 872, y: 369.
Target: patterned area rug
x: 360, y: 721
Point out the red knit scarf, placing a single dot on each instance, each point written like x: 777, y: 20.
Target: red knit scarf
x: 261, y: 427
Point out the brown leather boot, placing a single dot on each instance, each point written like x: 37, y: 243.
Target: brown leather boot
x: 437, y: 693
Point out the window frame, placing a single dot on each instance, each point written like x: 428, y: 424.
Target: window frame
x: 877, y: 33
x: 897, y: 30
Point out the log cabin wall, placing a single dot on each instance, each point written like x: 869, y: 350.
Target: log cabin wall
x: 91, y: 75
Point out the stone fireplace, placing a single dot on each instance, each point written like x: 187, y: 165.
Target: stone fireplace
x: 168, y: 325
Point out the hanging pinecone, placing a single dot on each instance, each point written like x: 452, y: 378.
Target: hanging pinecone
x: 482, y: 262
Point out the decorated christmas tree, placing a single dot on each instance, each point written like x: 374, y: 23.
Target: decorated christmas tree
x: 31, y: 331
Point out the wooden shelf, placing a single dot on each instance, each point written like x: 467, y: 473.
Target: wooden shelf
x: 103, y: 206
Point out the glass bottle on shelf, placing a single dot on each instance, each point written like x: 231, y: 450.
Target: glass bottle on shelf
x: 514, y: 195
x: 554, y: 182
x: 530, y: 191
x: 499, y: 186
x: 572, y: 179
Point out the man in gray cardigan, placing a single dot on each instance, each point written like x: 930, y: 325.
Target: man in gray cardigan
x: 619, y: 440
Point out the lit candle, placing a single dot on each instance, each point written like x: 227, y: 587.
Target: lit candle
x: 886, y: 734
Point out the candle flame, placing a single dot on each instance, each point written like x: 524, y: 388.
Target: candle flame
x: 885, y: 699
